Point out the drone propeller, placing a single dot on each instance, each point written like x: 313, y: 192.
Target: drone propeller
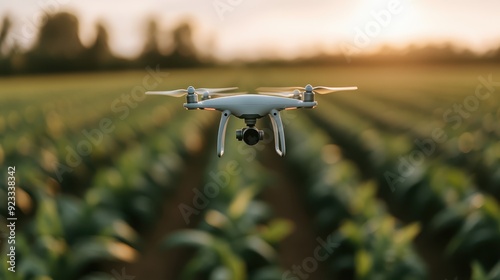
x: 326, y: 90
x: 190, y: 90
x: 318, y: 89
x: 289, y: 94
x: 207, y: 94
x: 280, y: 94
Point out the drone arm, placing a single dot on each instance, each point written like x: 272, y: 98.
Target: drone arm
x: 222, y: 132
x: 279, y: 132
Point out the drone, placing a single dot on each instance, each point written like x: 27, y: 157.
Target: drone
x: 250, y: 107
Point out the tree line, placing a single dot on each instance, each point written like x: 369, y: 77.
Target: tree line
x: 58, y: 48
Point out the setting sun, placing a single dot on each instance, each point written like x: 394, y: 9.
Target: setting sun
x: 394, y: 22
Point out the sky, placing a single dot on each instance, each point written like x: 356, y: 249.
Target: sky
x: 269, y: 28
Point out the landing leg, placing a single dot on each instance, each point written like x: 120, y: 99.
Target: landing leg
x: 279, y: 132
x: 222, y: 132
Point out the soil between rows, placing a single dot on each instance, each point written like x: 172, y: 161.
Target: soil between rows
x: 283, y: 197
x: 156, y: 262
x: 286, y: 201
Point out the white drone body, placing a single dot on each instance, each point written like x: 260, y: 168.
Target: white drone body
x: 251, y: 107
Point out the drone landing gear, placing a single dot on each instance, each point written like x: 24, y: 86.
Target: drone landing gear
x: 279, y: 132
x: 250, y: 134
x: 222, y: 132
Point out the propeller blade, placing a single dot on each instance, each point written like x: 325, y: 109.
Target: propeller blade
x: 173, y: 93
x: 182, y: 92
x: 278, y: 89
x: 318, y: 89
x: 208, y: 95
x: 325, y: 90
x: 227, y: 94
x: 280, y: 94
x: 215, y: 90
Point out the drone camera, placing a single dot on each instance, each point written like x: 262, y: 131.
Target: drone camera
x: 250, y: 135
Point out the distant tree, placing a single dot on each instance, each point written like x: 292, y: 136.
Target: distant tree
x: 184, y: 52
x: 183, y: 40
x: 5, y: 63
x: 4, y: 31
x: 58, y: 47
x: 150, y: 52
x: 59, y: 37
x: 101, y: 45
x: 99, y: 55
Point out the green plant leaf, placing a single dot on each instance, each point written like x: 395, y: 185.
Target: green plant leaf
x: 364, y: 264
x: 32, y: 265
x: 478, y: 272
x: 205, y: 260
x: 268, y: 273
x: 276, y: 230
x: 47, y: 218
x: 260, y: 247
x: 96, y: 249
x: 220, y: 273
x: 192, y: 238
x: 241, y: 202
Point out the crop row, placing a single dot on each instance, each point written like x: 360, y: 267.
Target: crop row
x: 370, y: 243
x: 468, y: 142
x: 69, y: 235
x: 237, y: 235
x: 425, y: 191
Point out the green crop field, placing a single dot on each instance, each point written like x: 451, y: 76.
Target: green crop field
x: 398, y: 180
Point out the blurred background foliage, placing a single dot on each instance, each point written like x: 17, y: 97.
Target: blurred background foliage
x: 58, y: 48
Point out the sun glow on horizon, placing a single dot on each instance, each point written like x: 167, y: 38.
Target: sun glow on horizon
x: 286, y: 28
x: 383, y: 22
